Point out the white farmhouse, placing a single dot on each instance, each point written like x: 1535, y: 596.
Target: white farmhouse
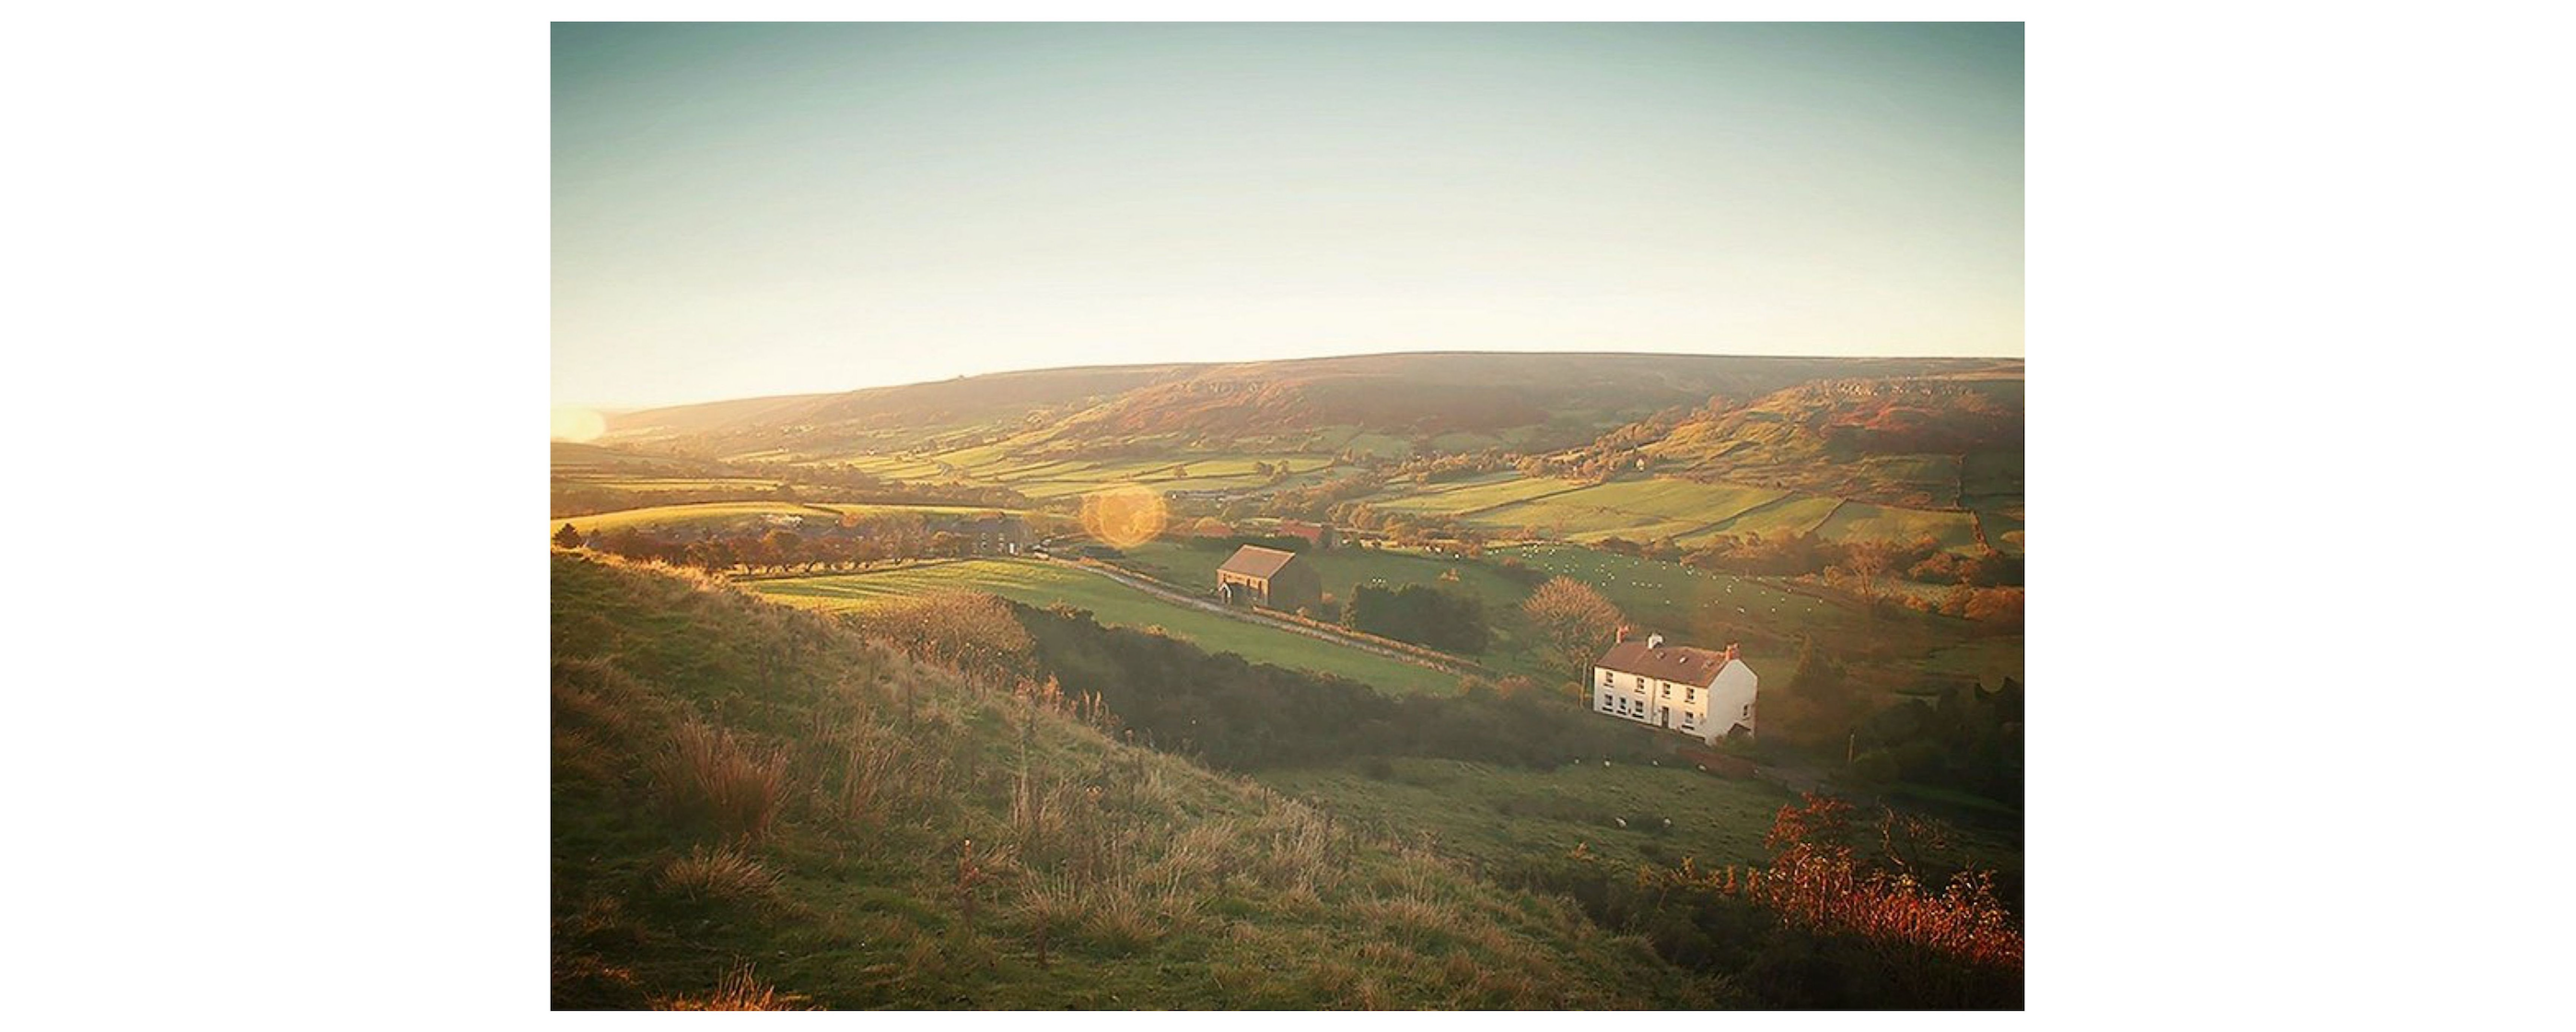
x: 1695, y: 691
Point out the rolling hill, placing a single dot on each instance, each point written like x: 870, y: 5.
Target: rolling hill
x: 1429, y: 401
x: 756, y: 808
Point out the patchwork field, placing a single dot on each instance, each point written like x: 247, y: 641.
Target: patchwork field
x: 1956, y: 531
x: 1634, y: 509
x: 1042, y: 583
x: 1194, y: 567
x: 1793, y: 514
x: 1470, y: 496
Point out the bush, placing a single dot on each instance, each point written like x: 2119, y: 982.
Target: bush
x: 1876, y: 767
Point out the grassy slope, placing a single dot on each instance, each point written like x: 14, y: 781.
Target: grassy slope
x: 1491, y: 815
x: 1040, y: 583
x: 1159, y: 884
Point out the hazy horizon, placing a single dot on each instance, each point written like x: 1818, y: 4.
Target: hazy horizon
x: 747, y: 210
x: 1613, y: 353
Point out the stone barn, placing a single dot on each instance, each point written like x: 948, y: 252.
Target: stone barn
x: 1269, y: 578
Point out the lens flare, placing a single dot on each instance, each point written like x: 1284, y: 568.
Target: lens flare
x: 1124, y: 516
x: 577, y: 424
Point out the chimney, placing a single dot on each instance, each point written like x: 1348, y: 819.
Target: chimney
x: 1729, y: 657
x: 1654, y: 641
x: 1623, y: 634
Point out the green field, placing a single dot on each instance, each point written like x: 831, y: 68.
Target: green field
x: 1793, y: 514
x: 1041, y: 583
x: 1496, y: 815
x: 1194, y: 568
x: 1474, y: 495
x: 894, y: 467
x: 1633, y: 509
x: 1956, y: 531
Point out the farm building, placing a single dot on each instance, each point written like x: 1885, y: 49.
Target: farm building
x: 1270, y: 578
x: 1318, y: 535
x: 1694, y: 691
x: 992, y: 534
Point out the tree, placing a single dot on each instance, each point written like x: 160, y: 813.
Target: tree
x: 1817, y: 707
x: 1572, y: 623
x: 781, y: 547
x: 1866, y: 561
x: 567, y: 537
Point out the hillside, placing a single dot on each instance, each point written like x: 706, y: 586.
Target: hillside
x: 1935, y: 442
x: 1416, y: 402
x: 754, y: 805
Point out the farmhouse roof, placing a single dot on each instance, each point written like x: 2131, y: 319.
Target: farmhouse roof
x: 1256, y: 561
x: 1679, y: 664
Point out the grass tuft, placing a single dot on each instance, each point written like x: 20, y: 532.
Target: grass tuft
x: 718, y: 875
x: 737, y: 991
x: 712, y: 778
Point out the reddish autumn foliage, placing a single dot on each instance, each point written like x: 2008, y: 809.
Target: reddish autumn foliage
x: 1814, y: 879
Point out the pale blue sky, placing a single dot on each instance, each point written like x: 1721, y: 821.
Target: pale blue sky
x: 768, y: 209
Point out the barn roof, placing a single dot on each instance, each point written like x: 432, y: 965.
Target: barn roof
x: 1256, y: 561
x: 1679, y: 664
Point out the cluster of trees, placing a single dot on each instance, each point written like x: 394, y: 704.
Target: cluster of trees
x: 1816, y: 707
x: 1802, y: 552
x: 1969, y: 738
x: 1314, y: 502
x: 1421, y: 614
x: 1435, y: 469
x: 853, y: 543
x: 1240, y: 715
x: 1228, y: 541
x: 826, y: 483
x: 1421, y: 529
x: 1822, y: 924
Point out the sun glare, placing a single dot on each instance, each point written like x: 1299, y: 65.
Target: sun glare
x: 1124, y: 516
x: 574, y: 423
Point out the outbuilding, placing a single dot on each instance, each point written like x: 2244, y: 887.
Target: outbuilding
x: 1269, y: 578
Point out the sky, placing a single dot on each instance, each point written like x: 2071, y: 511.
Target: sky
x: 747, y: 210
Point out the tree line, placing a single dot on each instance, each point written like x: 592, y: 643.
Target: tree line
x: 854, y: 542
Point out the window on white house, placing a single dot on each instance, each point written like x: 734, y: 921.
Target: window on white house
x: 1668, y: 691
x: 1605, y: 679
x: 1690, y: 694
x: 1748, y: 709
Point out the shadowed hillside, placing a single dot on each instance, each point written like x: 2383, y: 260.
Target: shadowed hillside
x: 1441, y: 401
x: 755, y: 807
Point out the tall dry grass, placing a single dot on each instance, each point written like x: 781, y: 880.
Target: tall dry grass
x: 738, y: 990
x: 712, y: 777
x: 725, y: 875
